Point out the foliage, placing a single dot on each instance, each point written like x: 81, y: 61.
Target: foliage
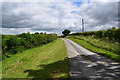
x: 112, y: 34
x: 66, y: 32
x: 36, y: 32
x: 12, y: 44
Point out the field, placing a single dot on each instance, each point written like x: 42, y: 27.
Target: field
x: 46, y: 61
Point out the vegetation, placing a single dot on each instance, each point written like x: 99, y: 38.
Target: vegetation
x: 112, y: 34
x: 66, y: 32
x: 100, y: 51
x: 12, y: 44
x: 101, y: 43
x: 105, y: 42
x: 47, y: 61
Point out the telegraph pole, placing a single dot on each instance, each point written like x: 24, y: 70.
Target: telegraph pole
x: 82, y: 25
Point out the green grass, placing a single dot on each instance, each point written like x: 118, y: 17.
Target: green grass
x: 100, y: 51
x: 103, y: 43
x: 47, y: 61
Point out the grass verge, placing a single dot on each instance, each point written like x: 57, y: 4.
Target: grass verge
x: 102, y: 43
x: 47, y: 61
x: 100, y: 51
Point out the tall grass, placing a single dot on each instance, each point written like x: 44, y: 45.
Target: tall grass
x: 101, y: 43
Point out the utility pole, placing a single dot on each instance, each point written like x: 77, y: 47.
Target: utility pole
x: 82, y: 25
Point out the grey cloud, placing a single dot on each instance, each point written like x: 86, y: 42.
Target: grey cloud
x: 55, y: 17
x: 12, y: 20
x: 101, y: 13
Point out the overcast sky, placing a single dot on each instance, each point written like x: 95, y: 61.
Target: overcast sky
x: 54, y: 17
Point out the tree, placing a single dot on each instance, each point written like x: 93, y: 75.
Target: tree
x: 66, y: 32
x: 41, y: 33
x: 36, y: 32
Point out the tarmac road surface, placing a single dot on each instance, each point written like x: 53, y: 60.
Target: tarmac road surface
x: 89, y: 65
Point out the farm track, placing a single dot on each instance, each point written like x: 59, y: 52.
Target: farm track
x: 86, y: 64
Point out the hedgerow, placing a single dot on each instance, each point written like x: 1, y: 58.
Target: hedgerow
x: 12, y: 44
x: 112, y: 34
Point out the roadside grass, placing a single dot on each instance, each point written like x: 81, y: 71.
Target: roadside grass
x: 0, y: 69
x: 100, y: 51
x: 103, y: 43
x: 47, y: 61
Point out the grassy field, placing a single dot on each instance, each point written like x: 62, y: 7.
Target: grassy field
x: 47, y: 61
x: 104, y: 52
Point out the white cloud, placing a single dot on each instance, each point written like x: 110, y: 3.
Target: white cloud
x: 57, y: 16
x: 13, y: 31
x: 105, y: 0
x: 59, y: 0
x: 100, y: 14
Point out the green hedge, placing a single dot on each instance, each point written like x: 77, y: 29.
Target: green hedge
x: 12, y: 44
x: 112, y: 34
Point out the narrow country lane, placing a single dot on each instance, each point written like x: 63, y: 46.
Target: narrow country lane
x: 86, y: 64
